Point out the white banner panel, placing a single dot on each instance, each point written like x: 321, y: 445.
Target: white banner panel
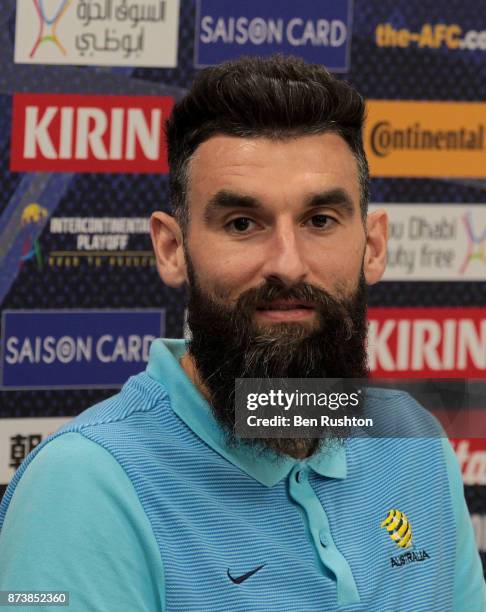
x: 18, y: 437
x: 436, y: 242
x: 105, y: 33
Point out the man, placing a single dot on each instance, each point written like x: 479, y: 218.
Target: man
x: 149, y: 500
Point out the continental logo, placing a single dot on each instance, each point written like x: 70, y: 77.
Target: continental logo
x: 426, y: 139
x: 431, y: 36
x: 385, y: 138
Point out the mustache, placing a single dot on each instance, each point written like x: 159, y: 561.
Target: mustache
x: 326, y: 305
x: 275, y: 290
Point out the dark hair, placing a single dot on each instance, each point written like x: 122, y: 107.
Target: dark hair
x: 277, y: 97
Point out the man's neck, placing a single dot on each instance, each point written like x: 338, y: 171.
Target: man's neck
x: 189, y: 367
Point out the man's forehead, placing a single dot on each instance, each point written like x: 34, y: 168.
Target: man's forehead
x: 222, y: 149
x: 252, y: 164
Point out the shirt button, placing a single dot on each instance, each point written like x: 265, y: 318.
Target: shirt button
x: 324, y: 537
x: 301, y: 476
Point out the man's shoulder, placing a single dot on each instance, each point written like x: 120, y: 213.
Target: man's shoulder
x: 68, y: 457
x: 78, y: 440
x: 396, y: 413
x: 65, y: 466
x: 140, y: 395
x: 91, y: 439
x: 83, y: 501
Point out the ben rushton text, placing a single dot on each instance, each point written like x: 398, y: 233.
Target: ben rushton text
x: 300, y: 421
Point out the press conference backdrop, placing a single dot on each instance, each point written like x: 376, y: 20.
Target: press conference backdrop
x: 85, y: 89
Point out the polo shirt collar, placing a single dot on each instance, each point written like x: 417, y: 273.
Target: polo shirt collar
x: 194, y: 410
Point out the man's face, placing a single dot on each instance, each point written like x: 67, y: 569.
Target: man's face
x: 274, y: 253
x: 265, y: 209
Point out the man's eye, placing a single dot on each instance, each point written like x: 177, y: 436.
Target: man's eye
x: 241, y: 224
x: 321, y: 221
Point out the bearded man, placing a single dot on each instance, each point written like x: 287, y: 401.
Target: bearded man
x: 150, y: 500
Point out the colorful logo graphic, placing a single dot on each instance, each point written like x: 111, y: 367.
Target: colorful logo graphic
x: 33, y: 216
x: 476, y: 249
x: 48, y: 25
x: 398, y: 528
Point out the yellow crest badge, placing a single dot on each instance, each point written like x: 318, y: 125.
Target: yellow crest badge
x: 398, y: 528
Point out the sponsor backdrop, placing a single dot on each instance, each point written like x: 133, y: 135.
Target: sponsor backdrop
x: 85, y: 89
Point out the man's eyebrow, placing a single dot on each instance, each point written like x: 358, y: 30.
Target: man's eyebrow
x: 228, y: 199
x: 224, y: 199
x: 339, y: 198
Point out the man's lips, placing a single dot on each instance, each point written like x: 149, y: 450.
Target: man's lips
x: 286, y: 310
x: 286, y: 305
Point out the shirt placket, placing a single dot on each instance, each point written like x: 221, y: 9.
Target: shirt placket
x: 302, y: 492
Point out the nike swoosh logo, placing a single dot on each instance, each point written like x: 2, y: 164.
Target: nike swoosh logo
x: 241, y: 579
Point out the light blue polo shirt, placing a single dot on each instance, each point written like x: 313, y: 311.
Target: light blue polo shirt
x: 138, y: 505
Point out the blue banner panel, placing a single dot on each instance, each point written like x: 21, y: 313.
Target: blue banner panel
x: 320, y: 32
x: 76, y: 348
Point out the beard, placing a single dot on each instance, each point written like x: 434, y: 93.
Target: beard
x: 227, y: 343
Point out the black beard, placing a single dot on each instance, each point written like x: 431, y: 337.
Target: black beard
x: 227, y: 344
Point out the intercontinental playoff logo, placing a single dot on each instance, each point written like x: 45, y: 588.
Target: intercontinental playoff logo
x: 33, y: 217
x: 49, y: 15
x: 399, y: 529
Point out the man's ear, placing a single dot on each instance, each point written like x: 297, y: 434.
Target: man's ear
x: 168, y: 247
x: 376, y: 243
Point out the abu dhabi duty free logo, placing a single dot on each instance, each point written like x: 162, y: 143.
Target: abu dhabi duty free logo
x: 49, y: 16
x: 92, y: 32
x: 476, y: 248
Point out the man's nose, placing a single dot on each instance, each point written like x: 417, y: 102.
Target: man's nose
x: 284, y: 256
